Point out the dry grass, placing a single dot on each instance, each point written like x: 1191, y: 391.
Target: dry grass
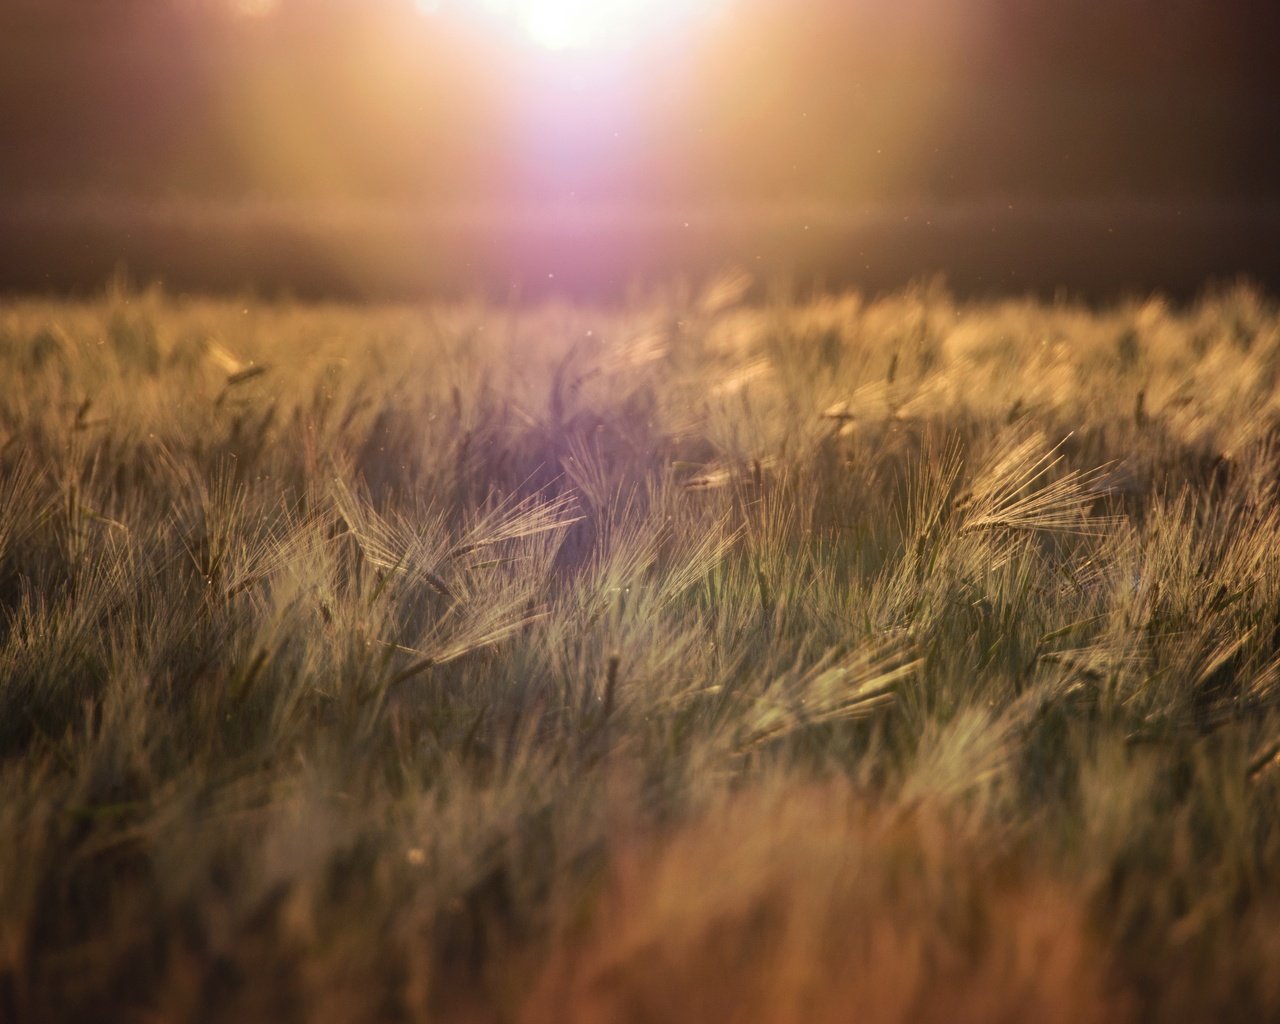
x: 694, y: 660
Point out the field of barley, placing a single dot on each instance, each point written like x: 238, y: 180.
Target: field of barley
x: 699, y: 658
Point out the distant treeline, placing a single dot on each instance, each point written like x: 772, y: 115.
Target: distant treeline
x: 1096, y: 251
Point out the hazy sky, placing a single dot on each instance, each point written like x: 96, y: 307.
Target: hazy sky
x: 775, y: 100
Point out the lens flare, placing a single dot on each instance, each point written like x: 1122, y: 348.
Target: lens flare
x: 253, y: 8
x: 583, y: 24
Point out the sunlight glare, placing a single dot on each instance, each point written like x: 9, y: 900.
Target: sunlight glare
x: 253, y: 8
x: 581, y: 24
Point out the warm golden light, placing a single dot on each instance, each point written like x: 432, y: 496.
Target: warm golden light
x: 253, y: 8
x: 582, y: 24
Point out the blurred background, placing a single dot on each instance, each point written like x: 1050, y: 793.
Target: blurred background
x: 400, y: 147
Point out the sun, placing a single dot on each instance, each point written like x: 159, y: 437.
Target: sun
x: 576, y: 24
x: 586, y: 24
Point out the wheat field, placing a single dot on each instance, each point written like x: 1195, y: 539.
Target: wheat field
x: 701, y: 658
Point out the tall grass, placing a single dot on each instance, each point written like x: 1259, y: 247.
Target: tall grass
x: 819, y: 660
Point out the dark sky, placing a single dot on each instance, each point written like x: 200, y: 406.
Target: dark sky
x: 844, y: 101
